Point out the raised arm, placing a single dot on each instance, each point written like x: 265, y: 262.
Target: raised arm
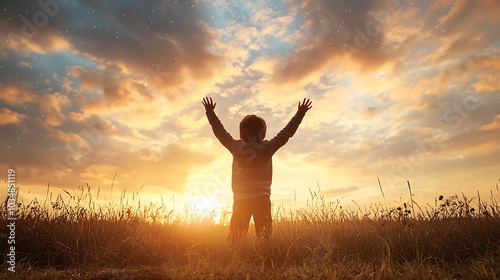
x: 219, y: 131
x: 282, y: 137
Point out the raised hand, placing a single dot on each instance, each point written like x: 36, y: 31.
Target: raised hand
x: 208, y: 103
x: 305, y: 106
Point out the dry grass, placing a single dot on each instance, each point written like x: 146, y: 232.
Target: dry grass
x: 457, y: 238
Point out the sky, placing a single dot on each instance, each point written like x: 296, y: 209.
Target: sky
x: 108, y: 94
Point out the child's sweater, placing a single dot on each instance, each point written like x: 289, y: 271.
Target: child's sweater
x: 252, y: 162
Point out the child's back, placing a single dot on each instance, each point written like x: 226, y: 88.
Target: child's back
x: 252, y: 167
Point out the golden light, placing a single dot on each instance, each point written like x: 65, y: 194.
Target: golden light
x: 203, y: 206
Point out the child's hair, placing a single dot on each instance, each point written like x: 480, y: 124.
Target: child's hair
x: 252, y: 128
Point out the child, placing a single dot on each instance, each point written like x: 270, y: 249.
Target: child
x: 252, y: 168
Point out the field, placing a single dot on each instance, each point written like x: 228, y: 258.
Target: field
x: 77, y: 238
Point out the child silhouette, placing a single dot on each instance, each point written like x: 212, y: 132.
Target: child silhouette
x: 252, y: 168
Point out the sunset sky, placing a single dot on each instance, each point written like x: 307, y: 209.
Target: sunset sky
x: 401, y: 90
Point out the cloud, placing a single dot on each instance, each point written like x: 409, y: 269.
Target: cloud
x: 340, y: 191
x: 468, y: 16
x: 167, y: 169
x: 23, y: 64
x: 370, y: 112
x: 52, y: 105
x: 495, y: 124
x: 335, y: 30
x: 163, y: 42
x: 10, y: 117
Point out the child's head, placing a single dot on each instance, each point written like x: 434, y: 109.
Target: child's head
x: 252, y: 128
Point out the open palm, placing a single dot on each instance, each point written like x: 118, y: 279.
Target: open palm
x: 208, y: 103
x: 305, y: 106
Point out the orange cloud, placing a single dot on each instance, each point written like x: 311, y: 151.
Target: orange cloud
x: 10, y: 117
x: 17, y: 95
x: 495, y: 124
x: 52, y: 105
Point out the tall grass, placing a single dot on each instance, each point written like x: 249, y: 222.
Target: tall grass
x: 81, y: 236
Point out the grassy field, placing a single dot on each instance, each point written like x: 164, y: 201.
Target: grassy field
x: 76, y: 238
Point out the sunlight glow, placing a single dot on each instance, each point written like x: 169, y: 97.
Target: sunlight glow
x: 203, y: 205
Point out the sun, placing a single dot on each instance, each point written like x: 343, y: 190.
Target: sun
x: 203, y: 205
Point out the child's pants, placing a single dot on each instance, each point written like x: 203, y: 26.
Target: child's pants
x: 243, y: 210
